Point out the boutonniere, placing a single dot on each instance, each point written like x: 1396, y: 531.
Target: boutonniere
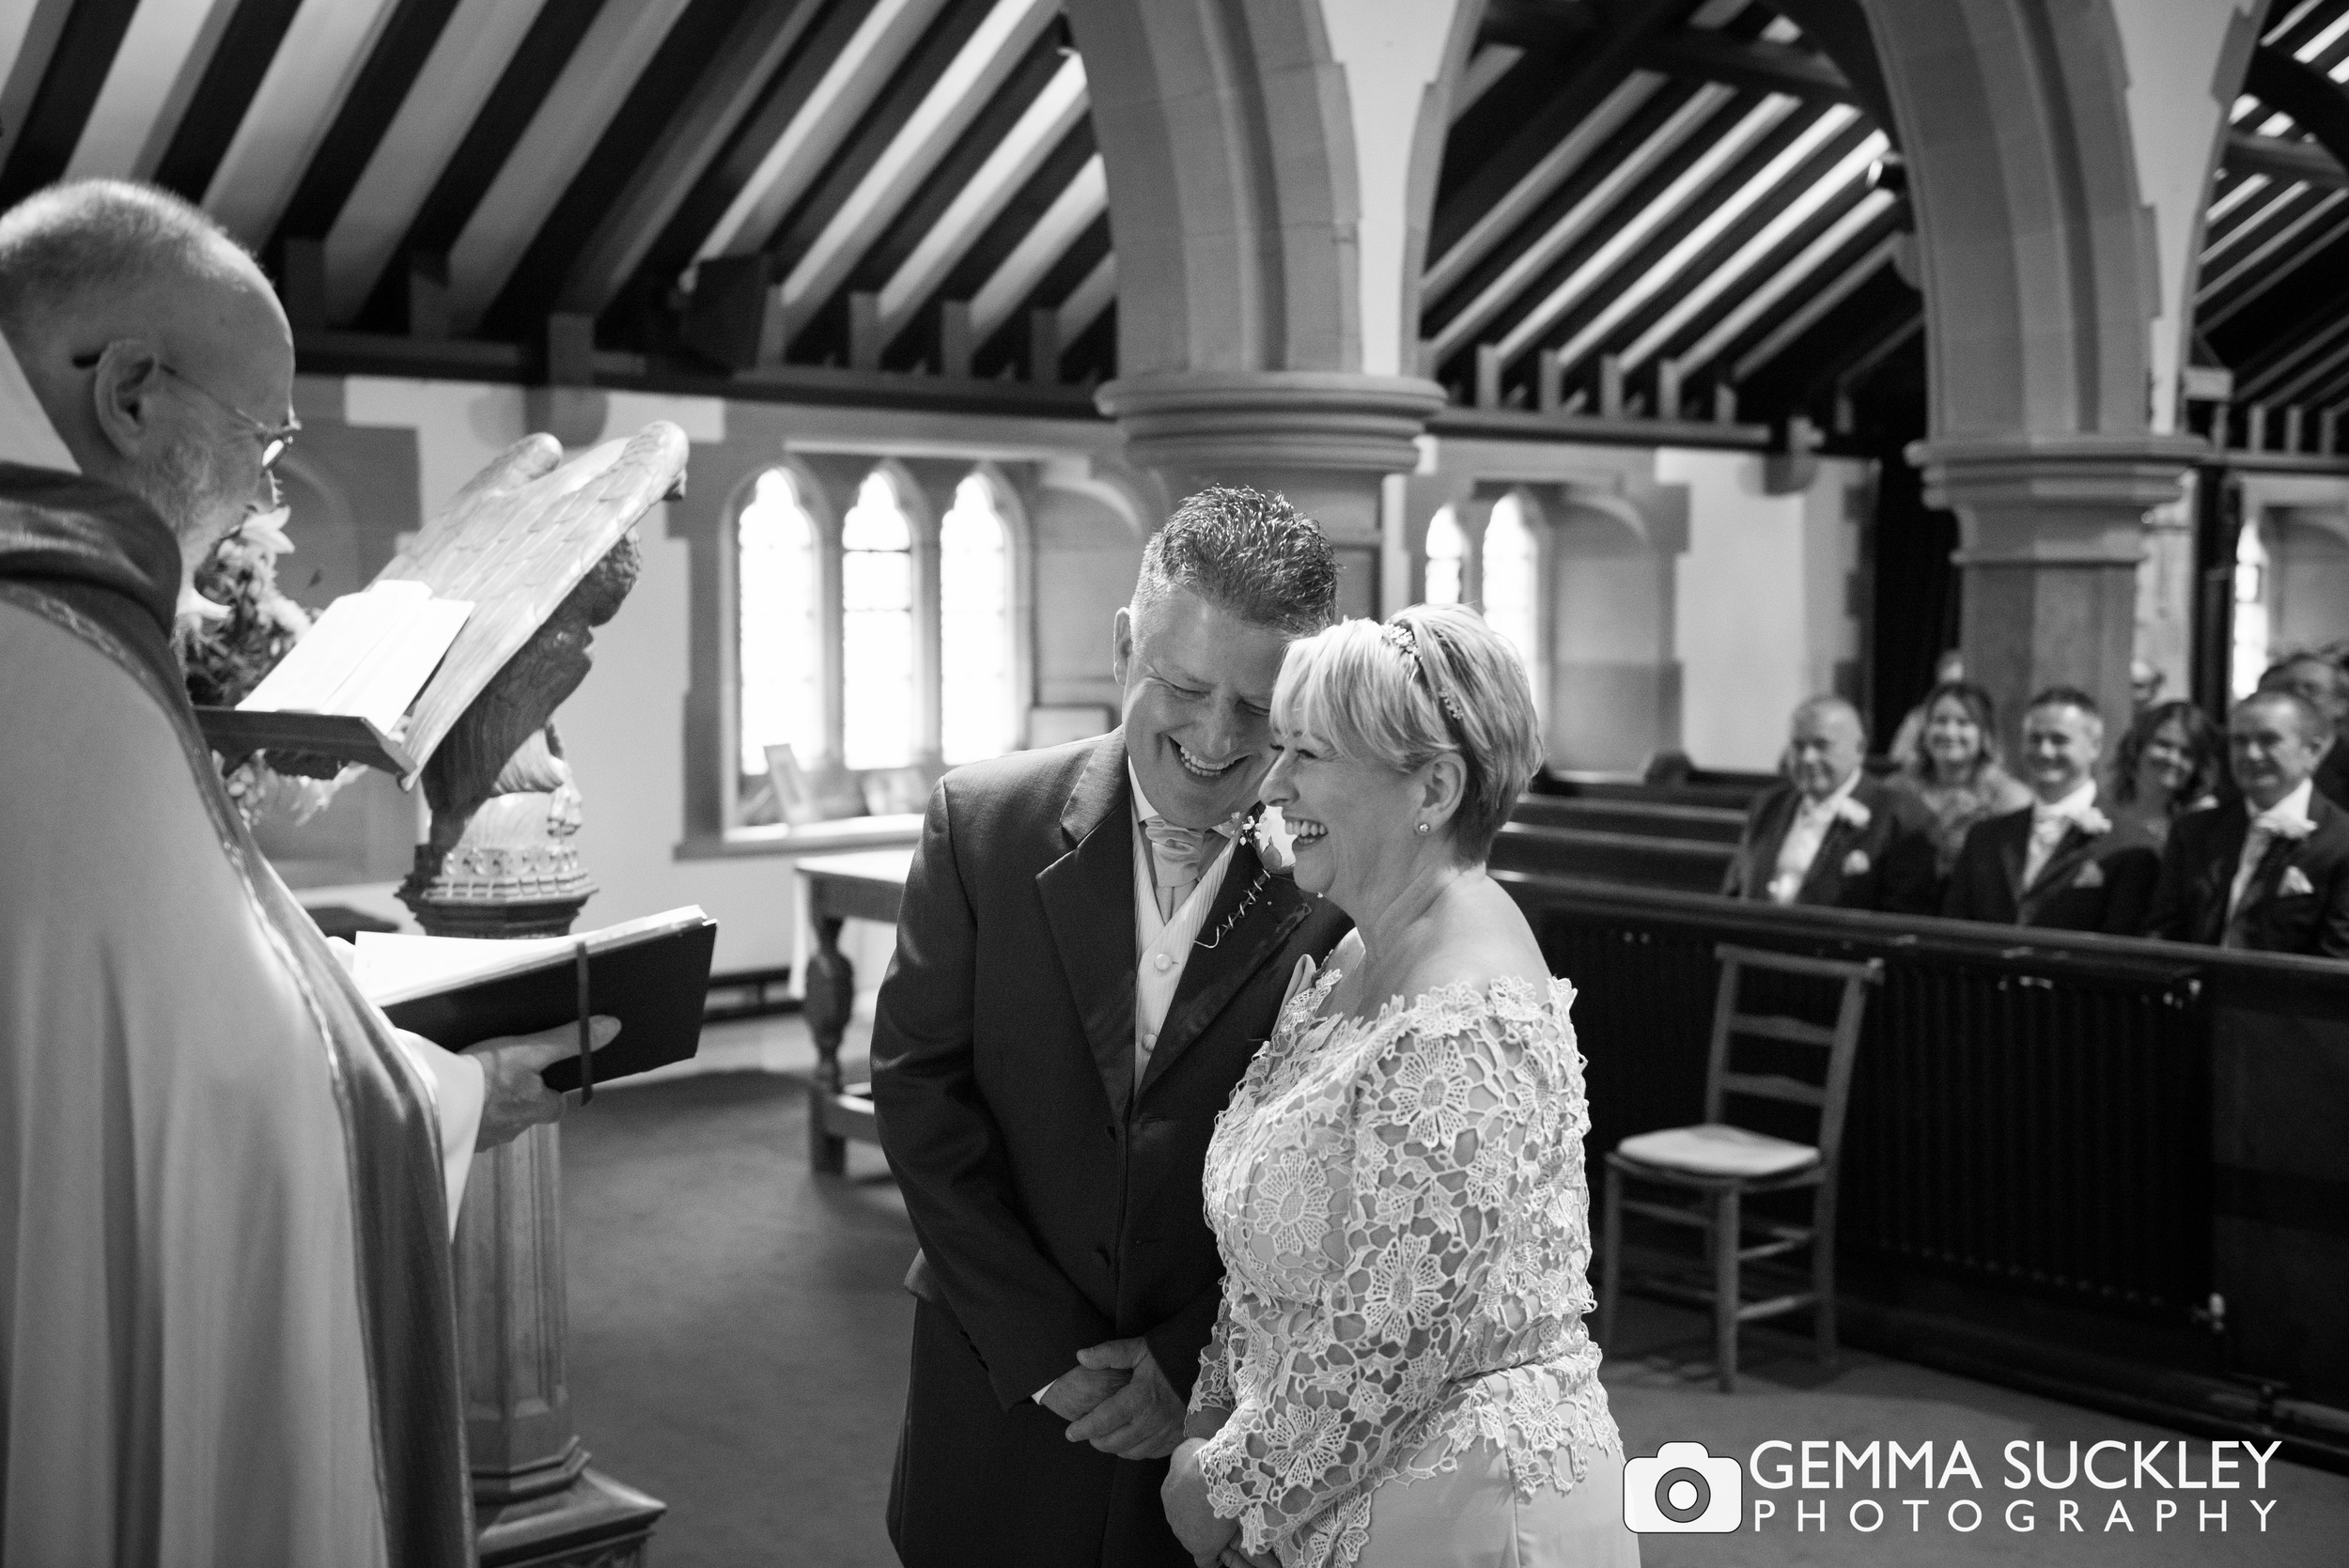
x: 2091, y: 875
x: 2290, y: 832
x: 1275, y: 845
x: 1857, y: 863
x: 2295, y: 882
x: 2095, y: 823
x: 1851, y: 810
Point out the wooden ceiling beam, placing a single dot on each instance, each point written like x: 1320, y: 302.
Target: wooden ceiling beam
x: 1756, y: 63
x: 2308, y: 95
x: 2278, y: 158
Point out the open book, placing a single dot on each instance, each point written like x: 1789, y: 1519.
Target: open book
x: 457, y: 991
x: 345, y: 689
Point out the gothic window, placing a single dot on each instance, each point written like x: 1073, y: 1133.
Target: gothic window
x: 779, y: 626
x: 1511, y: 586
x: 977, y: 703
x: 1446, y: 558
x: 2250, y: 611
x: 878, y: 710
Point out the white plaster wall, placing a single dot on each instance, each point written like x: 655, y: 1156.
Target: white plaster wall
x: 1762, y: 614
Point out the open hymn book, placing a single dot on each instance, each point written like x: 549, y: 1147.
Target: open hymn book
x: 344, y: 690
x: 457, y: 991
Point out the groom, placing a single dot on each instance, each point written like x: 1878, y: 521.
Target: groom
x: 1088, y: 955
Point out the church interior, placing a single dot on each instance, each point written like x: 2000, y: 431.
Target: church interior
x: 1723, y: 353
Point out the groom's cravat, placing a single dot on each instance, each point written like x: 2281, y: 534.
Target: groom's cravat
x: 1177, y: 856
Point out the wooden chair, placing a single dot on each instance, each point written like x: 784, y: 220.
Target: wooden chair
x: 1710, y: 1169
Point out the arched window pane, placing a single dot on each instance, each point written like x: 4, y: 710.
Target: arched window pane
x: 777, y: 626
x: 1512, y: 580
x: 876, y: 630
x: 2250, y: 611
x: 1447, y: 550
x: 975, y: 697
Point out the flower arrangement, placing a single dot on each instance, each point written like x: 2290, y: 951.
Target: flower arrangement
x: 237, y: 626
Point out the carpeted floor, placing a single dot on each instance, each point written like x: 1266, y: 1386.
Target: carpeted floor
x: 737, y: 1350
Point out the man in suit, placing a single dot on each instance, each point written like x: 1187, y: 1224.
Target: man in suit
x: 1087, y: 958
x: 2060, y: 862
x: 1830, y: 834
x: 2324, y: 686
x: 2269, y: 871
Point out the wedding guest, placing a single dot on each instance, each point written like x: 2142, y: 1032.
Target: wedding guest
x: 1400, y: 1374
x: 1088, y: 955
x: 1831, y: 835
x: 2268, y: 871
x: 2169, y: 763
x: 1908, y: 735
x: 2318, y: 679
x: 2060, y: 862
x: 1957, y: 773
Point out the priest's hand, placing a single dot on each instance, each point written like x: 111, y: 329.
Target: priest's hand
x: 1142, y: 1421
x: 1184, y: 1496
x: 514, y: 1096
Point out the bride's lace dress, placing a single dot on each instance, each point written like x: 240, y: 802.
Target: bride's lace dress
x: 1406, y: 1229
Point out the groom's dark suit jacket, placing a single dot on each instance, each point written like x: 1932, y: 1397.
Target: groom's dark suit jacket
x: 1056, y: 1201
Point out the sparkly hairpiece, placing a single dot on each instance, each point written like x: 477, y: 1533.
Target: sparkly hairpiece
x: 1398, y: 637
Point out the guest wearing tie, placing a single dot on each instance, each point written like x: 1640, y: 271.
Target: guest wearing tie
x: 1831, y: 835
x: 2270, y: 872
x: 2060, y: 862
x: 1089, y: 954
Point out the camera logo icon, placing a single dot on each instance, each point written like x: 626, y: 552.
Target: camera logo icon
x: 1683, y: 1490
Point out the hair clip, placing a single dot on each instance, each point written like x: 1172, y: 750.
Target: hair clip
x: 1399, y: 637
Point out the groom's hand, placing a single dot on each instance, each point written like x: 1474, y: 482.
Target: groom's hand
x: 1077, y: 1394
x: 1142, y: 1421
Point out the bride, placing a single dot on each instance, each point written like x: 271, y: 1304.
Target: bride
x: 1399, y: 1372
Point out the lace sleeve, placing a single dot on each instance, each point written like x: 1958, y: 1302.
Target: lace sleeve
x: 1437, y: 1141
x: 1213, y: 1390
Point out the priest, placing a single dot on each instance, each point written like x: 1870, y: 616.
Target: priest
x: 227, y: 1332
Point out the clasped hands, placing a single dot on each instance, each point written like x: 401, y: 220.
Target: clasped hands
x: 1117, y: 1399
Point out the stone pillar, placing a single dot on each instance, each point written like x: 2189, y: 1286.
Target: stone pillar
x: 2050, y: 536
x: 500, y: 861
x: 1324, y: 439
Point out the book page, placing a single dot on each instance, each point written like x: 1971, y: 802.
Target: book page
x: 367, y: 654
x: 393, y: 967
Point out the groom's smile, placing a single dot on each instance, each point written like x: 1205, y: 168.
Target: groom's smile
x: 1198, y: 684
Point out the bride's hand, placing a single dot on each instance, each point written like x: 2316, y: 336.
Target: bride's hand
x: 1184, y: 1496
x: 1205, y: 1422
x: 1234, y: 1558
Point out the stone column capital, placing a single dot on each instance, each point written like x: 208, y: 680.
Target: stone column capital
x: 2047, y: 500
x: 1201, y: 421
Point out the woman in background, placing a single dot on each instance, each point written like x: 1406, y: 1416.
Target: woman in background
x: 1399, y: 1375
x: 1956, y: 771
x: 2172, y: 761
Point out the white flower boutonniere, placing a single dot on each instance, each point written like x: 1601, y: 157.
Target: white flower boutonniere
x: 1857, y: 863
x: 1851, y: 810
x: 2095, y: 823
x: 1275, y: 845
x: 2292, y: 831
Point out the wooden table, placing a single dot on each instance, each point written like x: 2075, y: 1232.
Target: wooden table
x: 866, y: 885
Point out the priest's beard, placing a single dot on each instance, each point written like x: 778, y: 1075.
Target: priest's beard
x: 190, y: 490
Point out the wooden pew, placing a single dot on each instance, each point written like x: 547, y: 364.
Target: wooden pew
x: 2111, y: 1171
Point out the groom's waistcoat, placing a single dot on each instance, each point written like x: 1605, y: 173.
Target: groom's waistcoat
x: 1056, y: 1200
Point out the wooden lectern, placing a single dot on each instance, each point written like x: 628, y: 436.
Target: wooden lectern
x: 545, y: 550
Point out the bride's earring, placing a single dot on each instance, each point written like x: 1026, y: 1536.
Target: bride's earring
x: 1423, y: 828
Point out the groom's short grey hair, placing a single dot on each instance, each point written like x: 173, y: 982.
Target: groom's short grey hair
x: 98, y: 239
x: 1251, y: 554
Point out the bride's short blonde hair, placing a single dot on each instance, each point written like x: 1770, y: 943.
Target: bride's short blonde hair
x: 1432, y: 679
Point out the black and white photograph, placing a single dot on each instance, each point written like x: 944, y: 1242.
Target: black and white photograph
x: 1174, y: 783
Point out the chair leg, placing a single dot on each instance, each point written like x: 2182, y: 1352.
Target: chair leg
x: 1611, y: 1259
x: 1726, y: 1230
x: 1822, y: 1273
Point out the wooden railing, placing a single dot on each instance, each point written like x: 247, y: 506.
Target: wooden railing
x: 2112, y: 1170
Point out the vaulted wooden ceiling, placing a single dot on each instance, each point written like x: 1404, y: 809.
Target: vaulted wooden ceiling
x: 1643, y: 202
